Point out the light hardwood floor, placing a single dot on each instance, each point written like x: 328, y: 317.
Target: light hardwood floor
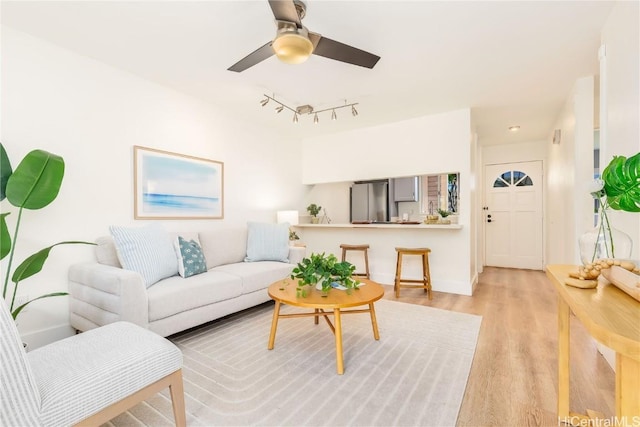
x: 514, y: 377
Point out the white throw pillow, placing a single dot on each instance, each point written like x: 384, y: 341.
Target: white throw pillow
x: 147, y: 250
x: 267, y: 242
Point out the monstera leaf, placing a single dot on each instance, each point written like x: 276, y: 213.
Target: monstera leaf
x: 622, y: 183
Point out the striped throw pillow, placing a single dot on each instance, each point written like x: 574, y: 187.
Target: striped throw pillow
x: 267, y: 242
x: 147, y: 250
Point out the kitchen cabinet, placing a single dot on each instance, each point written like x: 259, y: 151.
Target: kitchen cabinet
x: 405, y: 189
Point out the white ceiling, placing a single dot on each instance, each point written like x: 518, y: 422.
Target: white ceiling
x: 511, y: 62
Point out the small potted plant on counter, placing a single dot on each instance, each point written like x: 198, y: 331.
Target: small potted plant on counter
x: 314, y: 210
x: 444, y: 214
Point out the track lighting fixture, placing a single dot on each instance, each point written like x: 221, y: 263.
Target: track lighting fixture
x: 308, y: 109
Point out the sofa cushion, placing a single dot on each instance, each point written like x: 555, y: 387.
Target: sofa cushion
x: 257, y: 275
x: 176, y: 294
x: 267, y: 242
x: 106, y: 253
x: 224, y: 246
x: 147, y: 250
x: 190, y: 258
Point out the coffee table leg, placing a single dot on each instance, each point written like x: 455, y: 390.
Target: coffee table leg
x: 374, y: 322
x: 274, y: 325
x: 315, y: 318
x: 338, y: 326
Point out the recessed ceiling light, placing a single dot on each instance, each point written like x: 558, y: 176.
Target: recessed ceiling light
x: 514, y: 128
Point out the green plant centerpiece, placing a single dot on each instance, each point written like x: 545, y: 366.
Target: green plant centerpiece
x: 34, y: 184
x: 324, y: 270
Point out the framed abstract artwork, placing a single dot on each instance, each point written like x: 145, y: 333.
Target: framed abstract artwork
x: 174, y: 186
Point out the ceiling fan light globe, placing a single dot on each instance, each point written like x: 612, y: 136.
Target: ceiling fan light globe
x: 292, y: 48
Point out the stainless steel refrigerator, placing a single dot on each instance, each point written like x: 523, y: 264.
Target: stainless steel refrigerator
x: 370, y: 201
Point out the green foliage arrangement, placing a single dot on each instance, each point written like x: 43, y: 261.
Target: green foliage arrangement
x: 293, y: 235
x: 313, y: 209
x: 622, y: 183
x: 444, y: 213
x: 34, y: 184
x: 323, y: 269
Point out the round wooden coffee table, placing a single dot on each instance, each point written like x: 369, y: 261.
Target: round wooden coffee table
x: 284, y: 292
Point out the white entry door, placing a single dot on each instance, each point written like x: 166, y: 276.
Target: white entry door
x: 513, y: 215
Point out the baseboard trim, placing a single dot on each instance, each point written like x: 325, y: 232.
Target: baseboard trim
x: 449, y: 286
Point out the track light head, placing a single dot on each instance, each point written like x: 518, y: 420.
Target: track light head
x: 264, y: 101
x: 315, y: 118
x: 334, y: 116
x: 354, y: 111
x: 279, y: 109
x: 295, y: 117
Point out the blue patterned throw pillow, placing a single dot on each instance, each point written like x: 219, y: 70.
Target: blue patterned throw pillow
x: 191, y: 260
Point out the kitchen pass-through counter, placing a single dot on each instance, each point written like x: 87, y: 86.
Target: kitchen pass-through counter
x: 395, y: 226
x: 449, y: 244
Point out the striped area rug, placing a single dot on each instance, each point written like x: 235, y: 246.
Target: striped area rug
x: 415, y: 375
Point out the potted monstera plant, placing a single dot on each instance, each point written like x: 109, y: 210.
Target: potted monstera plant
x: 33, y: 184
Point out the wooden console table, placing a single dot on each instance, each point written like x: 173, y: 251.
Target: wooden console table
x: 611, y: 317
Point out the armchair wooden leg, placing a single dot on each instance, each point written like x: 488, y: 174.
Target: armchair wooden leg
x: 176, y: 389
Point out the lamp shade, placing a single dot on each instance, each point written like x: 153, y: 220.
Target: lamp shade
x: 287, y: 216
x: 292, y: 48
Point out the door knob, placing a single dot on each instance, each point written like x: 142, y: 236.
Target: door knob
x: 489, y: 220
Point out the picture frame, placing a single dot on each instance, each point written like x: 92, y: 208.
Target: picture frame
x: 176, y: 186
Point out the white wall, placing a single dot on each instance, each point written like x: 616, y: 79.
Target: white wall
x: 92, y: 115
x: 432, y: 144
x: 569, y: 208
x: 619, y: 107
x: 620, y: 93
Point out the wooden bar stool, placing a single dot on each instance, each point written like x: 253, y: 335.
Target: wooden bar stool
x: 425, y: 282
x: 364, y: 249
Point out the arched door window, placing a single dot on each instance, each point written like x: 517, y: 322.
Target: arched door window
x: 512, y: 178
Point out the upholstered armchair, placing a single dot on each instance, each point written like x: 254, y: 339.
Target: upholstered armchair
x: 86, y: 379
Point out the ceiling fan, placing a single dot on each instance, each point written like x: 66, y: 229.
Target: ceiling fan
x: 293, y: 43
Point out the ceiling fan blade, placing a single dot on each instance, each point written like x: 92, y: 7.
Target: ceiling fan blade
x: 285, y: 10
x: 341, y: 52
x: 253, y: 58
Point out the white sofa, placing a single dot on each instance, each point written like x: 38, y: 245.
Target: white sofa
x: 103, y: 292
